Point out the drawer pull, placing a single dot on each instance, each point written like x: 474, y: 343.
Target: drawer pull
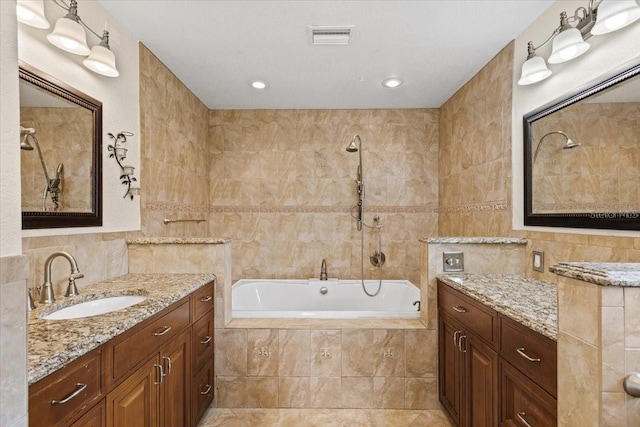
x: 207, y: 390
x: 456, y: 337
x: 161, y: 374
x: 79, y: 389
x: 206, y: 299
x: 520, y: 416
x: 526, y: 356
x: 460, y: 346
x: 459, y: 309
x: 206, y: 340
x: 169, y: 366
x: 164, y: 330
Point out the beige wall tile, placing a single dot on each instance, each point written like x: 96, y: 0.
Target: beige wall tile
x: 421, y: 353
x: 578, y: 370
x: 575, y: 296
x: 388, y: 392
x: 262, y: 352
x: 325, y: 392
x: 612, y: 348
x: 358, y: 358
x: 357, y: 392
x: 326, y: 353
x: 632, y: 317
x: 389, y: 350
x: 231, y: 392
x: 293, y: 392
x: 262, y: 392
x: 421, y: 393
x: 233, y: 360
x: 294, y: 353
x: 612, y: 296
x: 613, y: 410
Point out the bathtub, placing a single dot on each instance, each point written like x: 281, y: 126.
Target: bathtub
x: 343, y: 299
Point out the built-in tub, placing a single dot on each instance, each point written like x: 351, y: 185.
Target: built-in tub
x: 343, y: 299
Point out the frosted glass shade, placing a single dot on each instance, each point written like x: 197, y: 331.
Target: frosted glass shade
x: 69, y: 36
x: 567, y: 45
x: 102, y: 61
x: 31, y: 12
x: 534, y: 70
x: 615, y: 14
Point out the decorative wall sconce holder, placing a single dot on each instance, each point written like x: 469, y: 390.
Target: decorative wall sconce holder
x: 119, y: 153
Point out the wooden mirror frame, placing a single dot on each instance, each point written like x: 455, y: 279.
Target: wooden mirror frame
x: 596, y: 220
x: 52, y: 219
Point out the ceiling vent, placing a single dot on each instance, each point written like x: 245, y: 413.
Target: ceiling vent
x: 330, y: 36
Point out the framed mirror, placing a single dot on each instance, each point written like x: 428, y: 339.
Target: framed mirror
x: 582, y: 158
x: 60, y: 156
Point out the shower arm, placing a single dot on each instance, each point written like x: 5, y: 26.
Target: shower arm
x: 559, y: 132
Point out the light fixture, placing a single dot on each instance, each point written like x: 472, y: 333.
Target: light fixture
x: 258, y: 84
x: 392, y: 82
x: 119, y: 153
x: 69, y: 35
x: 569, y: 41
x: 31, y: 12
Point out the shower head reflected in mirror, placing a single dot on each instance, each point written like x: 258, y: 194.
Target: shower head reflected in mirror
x: 570, y: 143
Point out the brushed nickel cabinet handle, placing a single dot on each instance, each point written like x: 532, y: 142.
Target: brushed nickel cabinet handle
x: 456, y: 336
x: 161, y: 374
x: 207, y: 390
x: 459, y: 309
x: 169, y: 366
x: 164, y: 330
x: 206, y: 299
x: 206, y: 340
x: 79, y: 389
x: 520, y: 416
x: 526, y: 356
x: 460, y: 347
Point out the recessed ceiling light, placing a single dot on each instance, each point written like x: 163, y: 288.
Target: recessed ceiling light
x: 392, y: 82
x: 258, y: 84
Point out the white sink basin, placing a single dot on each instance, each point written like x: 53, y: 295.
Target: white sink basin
x: 95, y: 307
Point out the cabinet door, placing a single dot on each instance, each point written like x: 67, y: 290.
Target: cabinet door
x: 175, y: 389
x: 481, y: 375
x: 449, y: 372
x: 523, y: 402
x: 95, y: 417
x: 135, y: 401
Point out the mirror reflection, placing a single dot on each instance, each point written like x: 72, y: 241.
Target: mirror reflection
x: 60, y: 153
x: 56, y: 150
x: 582, y: 158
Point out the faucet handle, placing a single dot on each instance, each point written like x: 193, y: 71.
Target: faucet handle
x: 30, y: 304
x: 76, y: 275
x: 72, y: 290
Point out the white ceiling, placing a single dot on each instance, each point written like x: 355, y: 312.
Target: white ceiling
x: 217, y: 48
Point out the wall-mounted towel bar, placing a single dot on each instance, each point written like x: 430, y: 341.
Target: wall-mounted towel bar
x: 167, y: 220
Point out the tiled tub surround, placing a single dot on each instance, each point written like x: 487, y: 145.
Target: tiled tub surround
x: 598, y: 343
x: 55, y: 343
x: 531, y: 302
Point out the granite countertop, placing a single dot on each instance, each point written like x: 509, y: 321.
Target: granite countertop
x: 475, y: 240
x: 178, y: 241
x: 529, y: 301
x: 55, y: 343
x: 601, y: 273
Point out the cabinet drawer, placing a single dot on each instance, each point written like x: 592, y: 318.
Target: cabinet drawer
x: 94, y: 418
x: 535, y: 355
x: 524, y: 403
x: 67, y: 392
x: 138, y: 346
x: 474, y: 316
x: 202, y: 341
x: 203, y: 389
x: 203, y: 300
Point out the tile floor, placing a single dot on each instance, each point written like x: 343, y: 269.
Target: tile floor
x: 235, y: 417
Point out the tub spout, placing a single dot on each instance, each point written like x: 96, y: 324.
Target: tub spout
x: 323, y: 270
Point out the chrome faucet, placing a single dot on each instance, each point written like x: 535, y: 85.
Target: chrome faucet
x: 46, y: 293
x: 323, y: 270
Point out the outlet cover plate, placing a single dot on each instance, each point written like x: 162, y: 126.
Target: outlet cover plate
x: 537, y: 261
x: 453, y: 261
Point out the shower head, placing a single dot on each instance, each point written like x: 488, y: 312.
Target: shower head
x: 352, y: 147
x: 24, y: 143
x: 570, y: 144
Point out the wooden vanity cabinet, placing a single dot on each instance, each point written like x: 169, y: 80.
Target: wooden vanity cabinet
x: 468, y: 373
x: 149, y: 374
x: 493, y: 370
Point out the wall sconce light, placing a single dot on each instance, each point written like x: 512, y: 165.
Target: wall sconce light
x: 119, y: 153
x: 69, y: 34
x: 600, y: 17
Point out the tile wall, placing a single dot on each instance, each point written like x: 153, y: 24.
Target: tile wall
x: 326, y: 368
x: 282, y: 185
x: 73, y: 127
x: 174, y: 174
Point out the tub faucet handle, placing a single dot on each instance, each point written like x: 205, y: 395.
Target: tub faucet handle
x: 323, y: 270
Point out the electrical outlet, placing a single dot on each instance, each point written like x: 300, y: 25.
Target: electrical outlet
x: 538, y: 261
x: 453, y: 261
